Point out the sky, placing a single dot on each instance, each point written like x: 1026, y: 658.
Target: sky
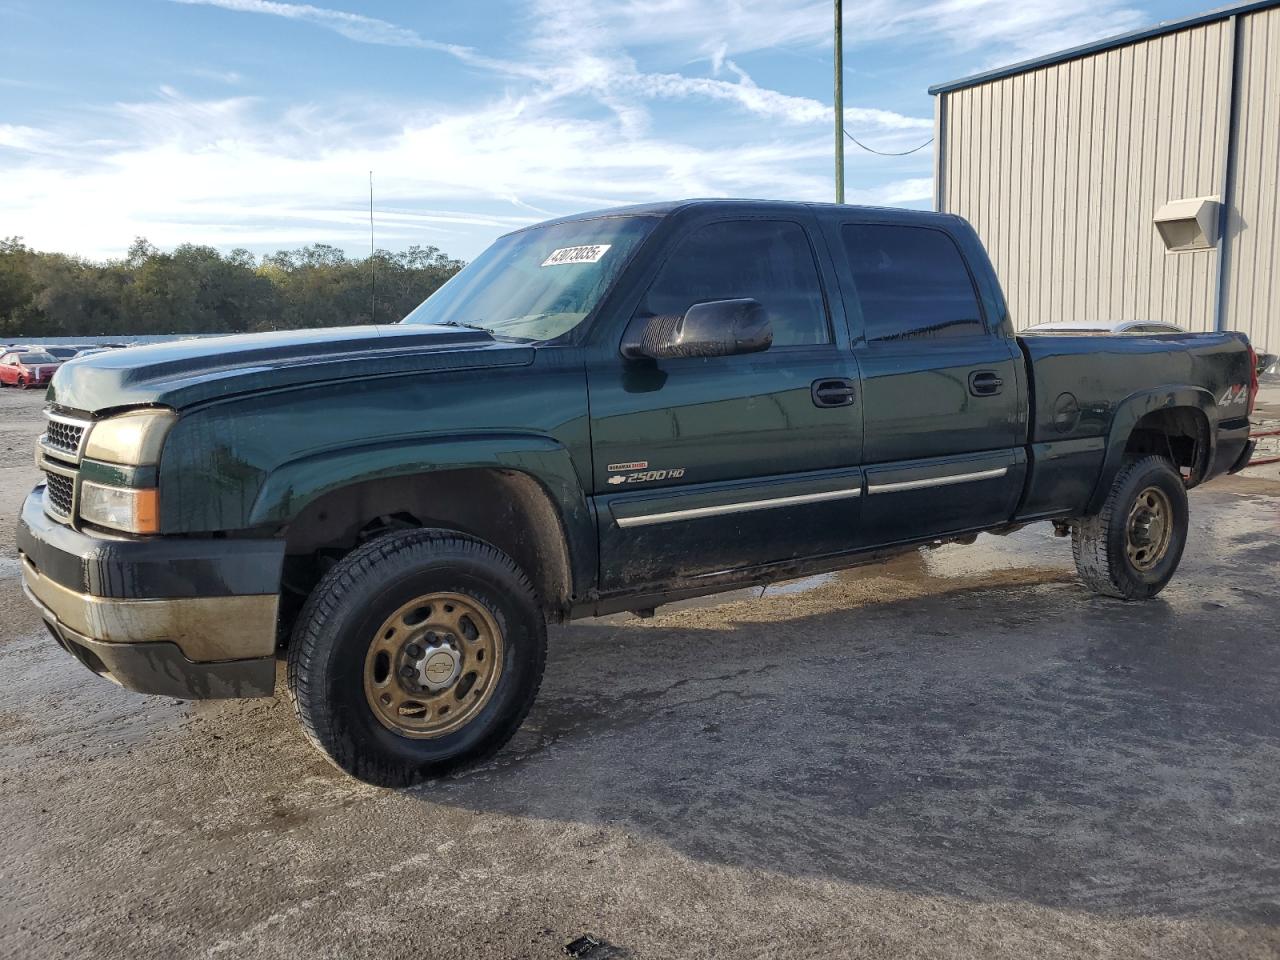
x: 255, y: 123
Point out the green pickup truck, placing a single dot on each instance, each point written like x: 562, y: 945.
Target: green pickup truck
x: 602, y: 413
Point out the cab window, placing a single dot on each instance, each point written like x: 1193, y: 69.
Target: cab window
x: 911, y: 282
x: 766, y: 260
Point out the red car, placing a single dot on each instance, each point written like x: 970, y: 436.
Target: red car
x: 27, y: 368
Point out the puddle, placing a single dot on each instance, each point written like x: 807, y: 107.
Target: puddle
x: 1033, y: 549
x: 803, y: 585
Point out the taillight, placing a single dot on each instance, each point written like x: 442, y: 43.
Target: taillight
x: 1253, y: 380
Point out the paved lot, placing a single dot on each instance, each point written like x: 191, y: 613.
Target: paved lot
x: 960, y: 754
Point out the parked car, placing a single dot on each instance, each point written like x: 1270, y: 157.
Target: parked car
x: 27, y: 368
x: 63, y: 352
x: 1130, y: 327
x: 601, y: 413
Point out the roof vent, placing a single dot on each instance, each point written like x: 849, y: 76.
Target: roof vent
x: 1188, y: 225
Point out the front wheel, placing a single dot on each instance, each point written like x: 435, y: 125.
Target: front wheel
x: 22, y: 383
x: 1132, y: 547
x: 419, y: 653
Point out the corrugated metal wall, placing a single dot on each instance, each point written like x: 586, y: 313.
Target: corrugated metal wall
x: 1252, y: 290
x: 1062, y: 168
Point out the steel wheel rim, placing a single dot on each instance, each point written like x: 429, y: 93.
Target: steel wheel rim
x: 1149, y: 528
x: 433, y: 665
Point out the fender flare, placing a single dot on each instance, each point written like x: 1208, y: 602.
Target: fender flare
x: 290, y: 487
x: 1132, y: 409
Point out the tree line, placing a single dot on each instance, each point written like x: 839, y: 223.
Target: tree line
x: 197, y: 289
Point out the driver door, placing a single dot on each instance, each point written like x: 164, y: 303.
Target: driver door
x: 704, y: 465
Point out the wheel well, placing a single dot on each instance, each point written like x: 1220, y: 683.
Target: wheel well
x: 1179, y: 433
x: 506, y: 508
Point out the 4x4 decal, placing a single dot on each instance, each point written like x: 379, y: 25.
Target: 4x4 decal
x: 1234, y: 394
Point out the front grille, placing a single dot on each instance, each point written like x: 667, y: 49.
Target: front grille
x: 63, y: 438
x: 59, y: 451
x: 60, y: 494
x: 64, y: 435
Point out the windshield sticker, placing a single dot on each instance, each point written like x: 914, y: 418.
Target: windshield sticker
x: 588, y: 254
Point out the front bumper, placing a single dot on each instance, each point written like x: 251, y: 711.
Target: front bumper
x: 173, y: 616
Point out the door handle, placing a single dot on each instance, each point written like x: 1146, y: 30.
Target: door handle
x: 984, y: 383
x: 835, y: 392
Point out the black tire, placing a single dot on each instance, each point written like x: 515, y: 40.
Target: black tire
x: 1101, y: 543
x: 22, y: 383
x: 327, y: 655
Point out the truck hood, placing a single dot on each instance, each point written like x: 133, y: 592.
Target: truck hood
x: 183, y: 373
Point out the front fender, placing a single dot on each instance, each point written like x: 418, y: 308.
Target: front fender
x: 1132, y: 409
x: 290, y: 487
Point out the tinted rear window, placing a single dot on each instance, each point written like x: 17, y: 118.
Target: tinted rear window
x: 911, y: 282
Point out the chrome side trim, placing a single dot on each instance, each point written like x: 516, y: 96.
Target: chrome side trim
x: 936, y: 481
x: 695, y: 513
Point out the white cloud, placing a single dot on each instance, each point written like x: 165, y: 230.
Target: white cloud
x: 229, y: 77
x: 894, y: 193
x: 229, y: 172
x: 353, y: 26
x: 719, y: 30
x: 236, y: 171
x: 362, y: 29
x: 18, y: 137
x: 577, y: 131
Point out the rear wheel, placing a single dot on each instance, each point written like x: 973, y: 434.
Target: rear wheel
x: 1132, y: 547
x: 417, y: 654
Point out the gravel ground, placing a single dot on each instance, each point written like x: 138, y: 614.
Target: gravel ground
x: 958, y: 754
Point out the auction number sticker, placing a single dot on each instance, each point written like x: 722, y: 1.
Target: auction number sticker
x: 588, y: 254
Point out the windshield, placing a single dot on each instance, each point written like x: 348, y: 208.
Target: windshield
x: 36, y: 358
x: 540, y: 283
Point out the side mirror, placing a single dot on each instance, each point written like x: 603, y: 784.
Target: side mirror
x: 713, y: 328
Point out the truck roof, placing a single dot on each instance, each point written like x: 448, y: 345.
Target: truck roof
x: 665, y: 208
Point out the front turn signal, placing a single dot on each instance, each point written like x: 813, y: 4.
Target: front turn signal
x: 120, y: 508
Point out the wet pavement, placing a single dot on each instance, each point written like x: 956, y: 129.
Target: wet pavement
x: 959, y: 753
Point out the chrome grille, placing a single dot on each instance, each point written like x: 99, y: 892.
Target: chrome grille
x: 59, y: 452
x: 64, y: 437
x: 59, y: 494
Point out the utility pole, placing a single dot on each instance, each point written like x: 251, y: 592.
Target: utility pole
x: 839, y: 101
x: 373, y: 263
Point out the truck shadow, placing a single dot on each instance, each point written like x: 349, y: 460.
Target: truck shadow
x: 992, y: 743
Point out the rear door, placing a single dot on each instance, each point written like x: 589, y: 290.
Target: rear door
x: 941, y: 398
x: 704, y: 465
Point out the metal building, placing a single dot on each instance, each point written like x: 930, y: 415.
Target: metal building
x: 1133, y: 178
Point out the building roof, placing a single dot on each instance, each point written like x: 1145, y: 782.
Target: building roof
x: 1108, y: 43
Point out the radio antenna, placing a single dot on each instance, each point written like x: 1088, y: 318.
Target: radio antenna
x: 373, y: 262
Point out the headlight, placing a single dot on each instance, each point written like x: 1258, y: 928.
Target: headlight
x: 130, y: 439
x: 120, y: 508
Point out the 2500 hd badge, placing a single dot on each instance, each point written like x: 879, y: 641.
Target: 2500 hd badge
x: 638, y: 473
